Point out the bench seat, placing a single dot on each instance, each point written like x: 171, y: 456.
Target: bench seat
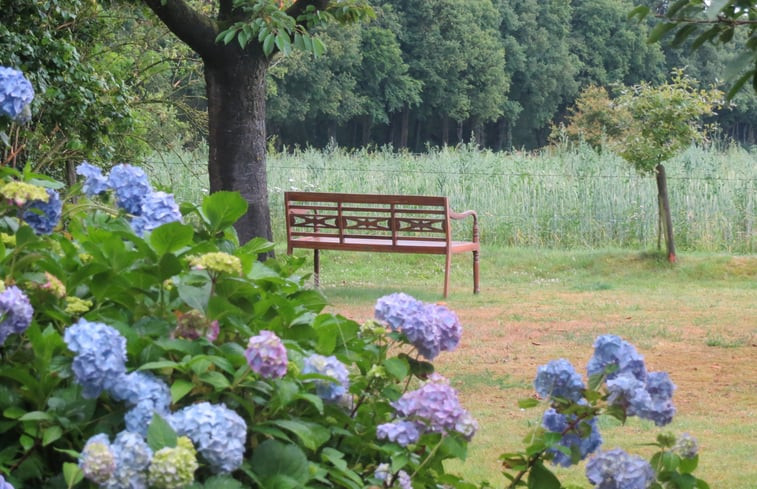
x: 377, y: 223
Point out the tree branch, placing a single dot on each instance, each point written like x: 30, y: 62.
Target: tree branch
x: 191, y: 27
x: 298, y: 7
x: 718, y: 20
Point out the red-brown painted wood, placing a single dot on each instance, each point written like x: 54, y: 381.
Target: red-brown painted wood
x: 377, y: 223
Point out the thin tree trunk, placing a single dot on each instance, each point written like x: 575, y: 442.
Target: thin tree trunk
x: 445, y: 130
x: 404, y: 126
x: 665, y: 216
x: 459, y: 132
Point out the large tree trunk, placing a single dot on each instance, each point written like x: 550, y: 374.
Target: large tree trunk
x: 237, y: 137
x: 665, y: 218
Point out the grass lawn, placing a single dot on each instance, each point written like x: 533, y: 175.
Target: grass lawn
x: 697, y: 320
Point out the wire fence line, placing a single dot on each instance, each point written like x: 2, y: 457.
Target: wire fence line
x: 571, y: 198
x: 487, y: 174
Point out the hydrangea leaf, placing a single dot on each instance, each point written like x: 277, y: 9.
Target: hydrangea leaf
x: 171, y: 237
x: 312, y: 435
x: 397, y: 367
x: 274, y: 459
x: 72, y: 474
x: 222, y: 209
x: 160, y: 434
x: 541, y: 477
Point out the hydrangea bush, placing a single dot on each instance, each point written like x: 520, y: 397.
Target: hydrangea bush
x: 142, y: 347
x: 620, y: 386
x: 141, y: 351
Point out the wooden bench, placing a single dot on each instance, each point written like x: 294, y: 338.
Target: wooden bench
x: 380, y: 223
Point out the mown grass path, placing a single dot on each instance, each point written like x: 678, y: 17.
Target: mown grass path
x: 696, y: 320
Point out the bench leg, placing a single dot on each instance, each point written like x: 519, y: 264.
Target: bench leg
x: 316, y: 267
x: 476, y: 288
x: 447, y: 266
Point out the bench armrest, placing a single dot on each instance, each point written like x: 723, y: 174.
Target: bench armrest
x: 463, y: 215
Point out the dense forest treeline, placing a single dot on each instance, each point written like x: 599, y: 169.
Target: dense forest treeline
x: 113, y: 84
x: 499, y: 71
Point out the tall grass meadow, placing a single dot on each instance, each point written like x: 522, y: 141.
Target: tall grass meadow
x: 564, y: 197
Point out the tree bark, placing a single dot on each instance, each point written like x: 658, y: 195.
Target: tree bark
x: 445, y: 130
x: 237, y: 136
x: 404, y: 126
x: 665, y: 217
x: 235, y: 84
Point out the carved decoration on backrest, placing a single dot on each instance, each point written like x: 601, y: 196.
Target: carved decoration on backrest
x: 409, y: 224
x: 313, y: 221
x: 366, y: 223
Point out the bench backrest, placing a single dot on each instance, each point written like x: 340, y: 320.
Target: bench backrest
x: 370, y: 216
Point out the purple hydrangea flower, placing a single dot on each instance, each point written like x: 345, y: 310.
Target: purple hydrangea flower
x: 611, y: 350
x: 133, y: 457
x: 16, y: 93
x: 616, y: 469
x: 147, y: 394
x: 403, y: 480
x: 436, y: 406
x: 15, y: 312
x: 217, y: 432
x: 101, y: 356
x: 430, y: 328
x: 5, y: 484
x: 266, y: 355
x: 558, y: 378
x: 401, y: 432
x: 395, y: 309
x: 43, y: 216
x: 157, y: 208
x: 94, y: 181
x: 572, y: 437
x: 131, y: 186
x: 384, y: 473
x: 330, y: 391
x: 97, y: 461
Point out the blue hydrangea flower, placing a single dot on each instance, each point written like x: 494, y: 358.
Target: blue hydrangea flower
x: 558, y: 378
x: 403, y: 480
x: 15, y: 312
x: 395, y: 309
x: 97, y: 461
x: 572, y: 438
x: 660, y: 408
x: 435, y: 405
x: 330, y: 391
x: 650, y: 399
x: 616, y: 469
x: 266, y: 355
x: 131, y: 186
x: 16, y: 93
x: 611, y: 350
x: 430, y: 328
x: 467, y: 426
x: 101, y: 356
x: 94, y: 181
x: 43, y: 216
x: 401, y: 432
x: 217, y: 432
x: 147, y: 394
x: 133, y: 457
x: 5, y: 484
x: 157, y: 208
